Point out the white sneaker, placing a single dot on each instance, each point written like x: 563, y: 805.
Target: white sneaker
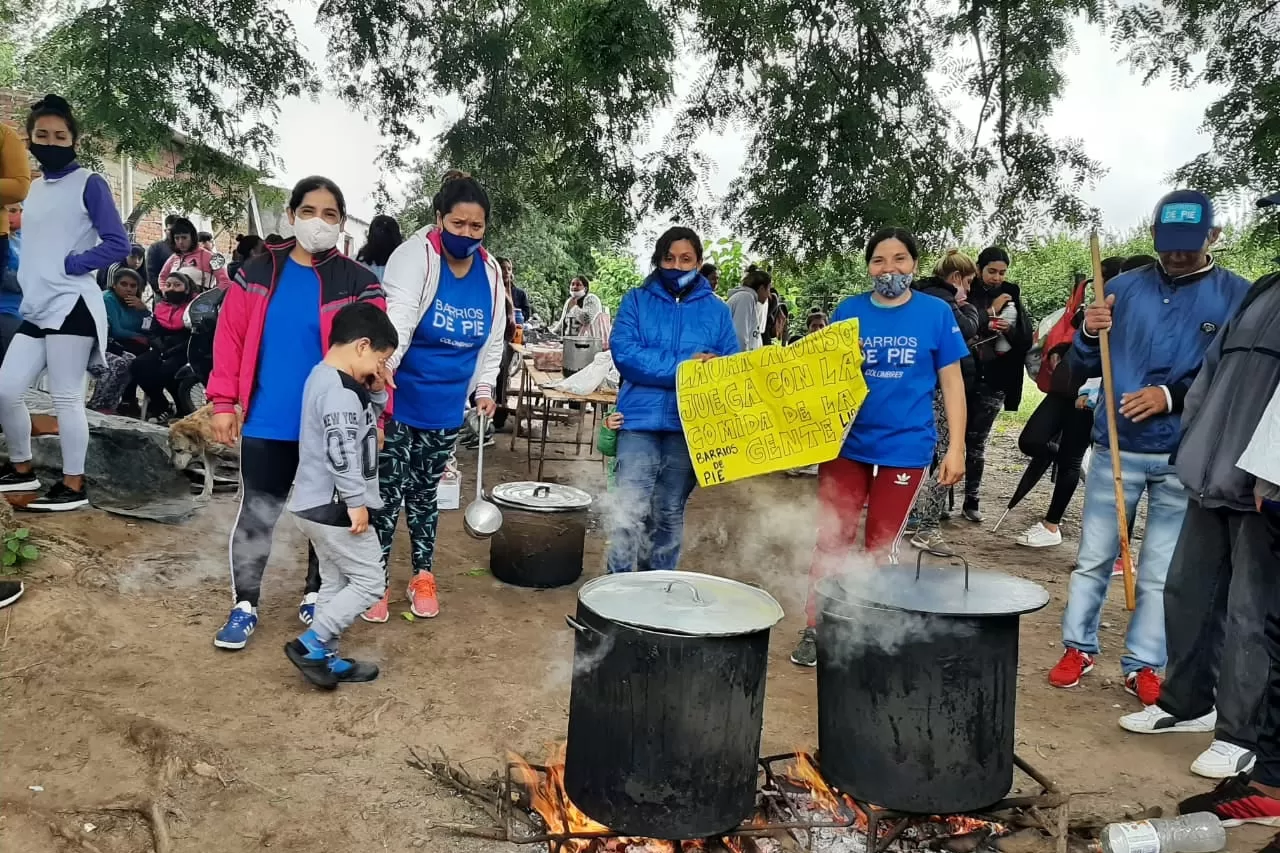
x: 1151, y: 720
x: 1223, y: 760
x: 1040, y: 536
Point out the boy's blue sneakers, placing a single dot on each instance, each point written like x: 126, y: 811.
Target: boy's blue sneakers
x: 307, y: 609
x: 314, y: 665
x: 351, y: 671
x: 320, y: 664
x: 240, y: 624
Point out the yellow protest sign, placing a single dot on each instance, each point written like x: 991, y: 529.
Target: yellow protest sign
x: 774, y: 408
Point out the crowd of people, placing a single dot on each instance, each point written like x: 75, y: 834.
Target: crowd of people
x: 345, y: 382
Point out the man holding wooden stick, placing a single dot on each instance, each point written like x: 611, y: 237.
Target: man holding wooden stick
x: 1160, y: 319
x: 1223, y: 587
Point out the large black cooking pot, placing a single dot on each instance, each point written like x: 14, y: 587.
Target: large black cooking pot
x: 667, y: 702
x: 543, y: 534
x: 917, y: 683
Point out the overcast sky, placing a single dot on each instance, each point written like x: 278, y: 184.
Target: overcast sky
x: 1138, y: 133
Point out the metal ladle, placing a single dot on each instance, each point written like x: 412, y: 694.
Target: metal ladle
x: 481, y: 518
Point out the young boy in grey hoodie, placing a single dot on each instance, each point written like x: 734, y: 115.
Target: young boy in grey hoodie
x: 336, y: 486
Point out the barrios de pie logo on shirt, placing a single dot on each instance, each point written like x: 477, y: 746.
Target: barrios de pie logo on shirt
x: 463, y: 328
x: 887, y: 356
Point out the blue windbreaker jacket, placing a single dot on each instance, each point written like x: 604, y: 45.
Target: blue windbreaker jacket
x: 654, y: 331
x: 1162, y: 328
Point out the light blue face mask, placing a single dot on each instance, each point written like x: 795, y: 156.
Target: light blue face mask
x: 891, y: 285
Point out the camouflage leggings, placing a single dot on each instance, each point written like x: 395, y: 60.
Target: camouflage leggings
x: 983, y: 407
x: 110, y: 380
x: 410, y: 466
x: 933, y: 498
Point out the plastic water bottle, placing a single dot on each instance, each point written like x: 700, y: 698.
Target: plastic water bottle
x: 1201, y: 832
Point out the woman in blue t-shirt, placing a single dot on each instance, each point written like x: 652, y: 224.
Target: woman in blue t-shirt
x: 910, y: 346
x: 447, y: 299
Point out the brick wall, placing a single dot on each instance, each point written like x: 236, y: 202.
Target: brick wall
x: 13, y: 110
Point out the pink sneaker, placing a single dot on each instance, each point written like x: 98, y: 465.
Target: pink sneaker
x: 423, y: 600
x: 379, y: 612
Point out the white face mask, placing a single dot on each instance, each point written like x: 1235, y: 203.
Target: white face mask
x: 577, y: 292
x: 315, y: 235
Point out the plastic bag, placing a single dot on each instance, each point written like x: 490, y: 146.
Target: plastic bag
x: 590, y: 378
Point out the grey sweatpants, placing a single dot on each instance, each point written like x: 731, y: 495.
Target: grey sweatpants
x: 66, y: 357
x: 351, y: 576
x: 1221, y: 590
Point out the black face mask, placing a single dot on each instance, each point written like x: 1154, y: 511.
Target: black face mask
x: 177, y: 297
x: 53, y: 158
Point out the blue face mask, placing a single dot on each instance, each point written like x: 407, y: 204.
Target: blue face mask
x: 457, y: 245
x: 677, y: 279
x: 891, y: 285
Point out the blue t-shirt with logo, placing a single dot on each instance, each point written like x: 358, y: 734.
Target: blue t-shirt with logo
x: 435, y: 373
x: 903, y: 347
x: 290, y: 348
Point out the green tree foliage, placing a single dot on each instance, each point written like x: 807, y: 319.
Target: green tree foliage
x: 556, y: 93
x: 1231, y: 46
x: 142, y: 73
x: 859, y: 112
x: 613, y: 275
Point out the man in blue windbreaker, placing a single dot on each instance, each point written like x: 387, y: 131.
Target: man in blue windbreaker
x: 1222, y: 597
x: 1162, y: 318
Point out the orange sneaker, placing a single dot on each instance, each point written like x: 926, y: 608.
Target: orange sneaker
x: 1144, y: 684
x: 379, y: 612
x: 422, y: 595
x: 1073, y: 665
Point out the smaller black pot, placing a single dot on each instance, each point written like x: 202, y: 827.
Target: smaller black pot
x: 543, y: 534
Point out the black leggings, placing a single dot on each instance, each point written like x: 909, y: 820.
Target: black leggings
x: 155, y: 373
x: 1057, y: 429
x: 267, y: 469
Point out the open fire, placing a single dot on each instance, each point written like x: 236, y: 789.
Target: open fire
x: 795, y: 809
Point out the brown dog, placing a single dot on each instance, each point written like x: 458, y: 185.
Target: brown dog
x: 192, y: 438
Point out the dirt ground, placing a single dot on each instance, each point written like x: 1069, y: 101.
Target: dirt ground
x: 111, y: 689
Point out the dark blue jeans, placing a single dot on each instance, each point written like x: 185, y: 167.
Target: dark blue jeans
x: 655, y: 478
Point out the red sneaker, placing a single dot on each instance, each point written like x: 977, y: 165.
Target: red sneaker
x: 1074, y: 664
x: 1144, y: 684
x: 379, y: 612
x: 423, y: 600
x: 1235, y: 801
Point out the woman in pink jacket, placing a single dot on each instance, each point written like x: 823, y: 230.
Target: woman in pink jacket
x: 188, y: 256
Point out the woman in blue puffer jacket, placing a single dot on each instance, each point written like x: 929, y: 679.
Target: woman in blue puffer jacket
x: 673, y: 317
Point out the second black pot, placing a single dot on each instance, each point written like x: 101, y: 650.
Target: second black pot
x: 917, y: 685
x: 664, y: 726
x: 543, y: 534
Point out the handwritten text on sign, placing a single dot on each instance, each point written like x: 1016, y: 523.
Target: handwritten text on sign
x: 774, y: 408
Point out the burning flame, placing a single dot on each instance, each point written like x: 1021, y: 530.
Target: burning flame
x: 804, y: 775
x: 562, y: 817
x: 546, y: 794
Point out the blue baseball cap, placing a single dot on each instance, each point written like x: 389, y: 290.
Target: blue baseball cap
x: 1272, y: 200
x: 1182, y: 222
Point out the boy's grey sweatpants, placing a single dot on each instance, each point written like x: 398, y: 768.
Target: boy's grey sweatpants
x: 351, y: 576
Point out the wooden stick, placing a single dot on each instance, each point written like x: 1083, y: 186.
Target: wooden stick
x: 492, y: 833
x: 1122, y: 520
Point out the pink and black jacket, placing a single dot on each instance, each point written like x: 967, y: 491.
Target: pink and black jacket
x: 244, y: 312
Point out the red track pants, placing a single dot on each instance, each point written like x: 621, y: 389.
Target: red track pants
x: 844, y: 488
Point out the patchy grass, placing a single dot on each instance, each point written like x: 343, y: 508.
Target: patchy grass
x: 1031, y: 397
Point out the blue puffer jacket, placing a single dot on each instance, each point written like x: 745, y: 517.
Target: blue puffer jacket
x: 656, y: 330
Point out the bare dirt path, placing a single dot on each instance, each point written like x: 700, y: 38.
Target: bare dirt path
x: 111, y: 690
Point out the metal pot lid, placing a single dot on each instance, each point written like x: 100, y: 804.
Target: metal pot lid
x: 682, y: 603
x: 941, y: 590
x: 540, y: 497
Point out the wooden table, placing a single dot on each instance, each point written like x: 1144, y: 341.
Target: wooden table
x: 532, y: 398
